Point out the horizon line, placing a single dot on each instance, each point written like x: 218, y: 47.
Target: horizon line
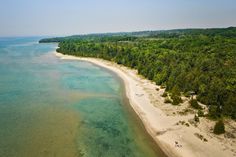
x: 114, y: 32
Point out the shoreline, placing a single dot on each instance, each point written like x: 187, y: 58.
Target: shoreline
x: 160, y: 119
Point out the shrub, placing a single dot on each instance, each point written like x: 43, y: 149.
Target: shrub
x: 163, y: 86
x: 196, y: 118
x: 187, y: 124
x: 219, y: 127
x: 176, y: 99
x: 194, y: 104
x: 176, y: 91
x: 200, y: 113
x: 214, y: 112
x: 167, y: 101
x: 164, y: 94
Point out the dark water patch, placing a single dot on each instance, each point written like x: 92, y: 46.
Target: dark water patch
x: 105, y: 131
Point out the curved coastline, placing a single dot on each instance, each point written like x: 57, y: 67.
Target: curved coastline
x: 107, y: 65
x: 132, y: 113
x: 160, y: 126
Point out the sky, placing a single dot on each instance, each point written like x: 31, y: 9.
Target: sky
x: 70, y: 17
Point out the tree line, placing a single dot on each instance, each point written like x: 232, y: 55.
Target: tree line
x: 202, y: 61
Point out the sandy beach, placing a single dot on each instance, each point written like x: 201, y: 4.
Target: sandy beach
x: 172, y: 127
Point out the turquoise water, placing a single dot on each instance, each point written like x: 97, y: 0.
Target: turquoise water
x: 52, y: 107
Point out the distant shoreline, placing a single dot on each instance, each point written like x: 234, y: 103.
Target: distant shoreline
x: 175, y: 141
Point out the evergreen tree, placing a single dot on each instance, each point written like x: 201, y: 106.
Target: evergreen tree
x: 219, y: 127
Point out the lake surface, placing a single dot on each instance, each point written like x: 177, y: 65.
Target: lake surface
x: 57, y: 108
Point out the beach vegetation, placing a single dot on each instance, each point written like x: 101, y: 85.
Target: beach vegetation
x: 196, y: 118
x: 200, y: 113
x: 165, y: 94
x: 176, y: 100
x: 219, y: 127
x: 199, y: 60
x: 194, y: 104
x: 167, y: 101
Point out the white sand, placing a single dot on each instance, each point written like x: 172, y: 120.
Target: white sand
x: 160, y: 119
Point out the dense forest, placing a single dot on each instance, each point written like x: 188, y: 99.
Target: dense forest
x: 199, y: 60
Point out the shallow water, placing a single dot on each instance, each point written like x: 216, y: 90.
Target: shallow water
x: 52, y: 107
